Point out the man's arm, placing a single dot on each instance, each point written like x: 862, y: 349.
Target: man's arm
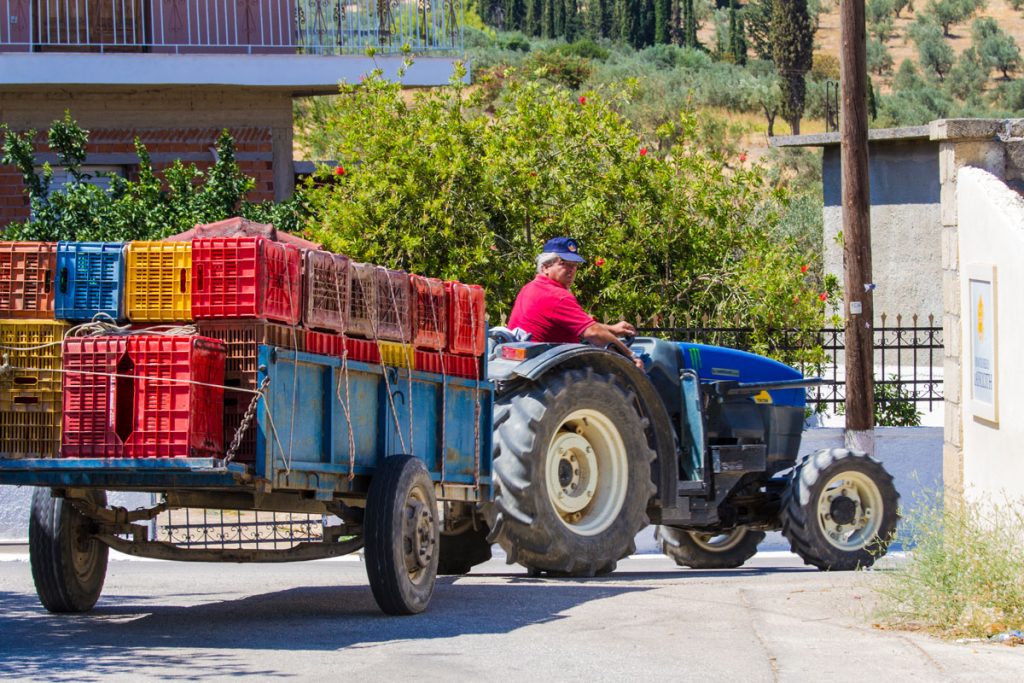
x: 602, y: 335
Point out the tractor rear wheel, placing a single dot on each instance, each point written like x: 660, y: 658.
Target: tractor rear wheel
x: 69, y: 565
x: 463, y: 549
x: 700, y: 550
x: 573, y: 471
x: 840, y: 510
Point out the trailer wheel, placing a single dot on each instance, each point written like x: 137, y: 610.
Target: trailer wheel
x: 69, y: 566
x: 839, y: 511
x: 462, y: 550
x: 401, y: 535
x: 573, y: 471
x: 699, y: 550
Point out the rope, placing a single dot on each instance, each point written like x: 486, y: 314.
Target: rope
x: 374, y: 320
x: 476, y: 404
x: 444, y: 387
x: 401, y: 334
x: 347, y: 402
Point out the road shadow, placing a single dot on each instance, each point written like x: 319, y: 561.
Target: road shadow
x: 128, y: 634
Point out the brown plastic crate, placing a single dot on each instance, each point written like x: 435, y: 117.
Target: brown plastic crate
x: 362, y: 310
x: 242, y: 339
x: 26, y: 279
x: 326, y: 283
x: 394, y: 303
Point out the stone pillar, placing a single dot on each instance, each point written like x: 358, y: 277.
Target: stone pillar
x: 962, y: 142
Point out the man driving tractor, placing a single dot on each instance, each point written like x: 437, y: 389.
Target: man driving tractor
x: 547, y: 309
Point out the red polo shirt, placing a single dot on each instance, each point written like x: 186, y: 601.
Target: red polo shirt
x: 549, y: 311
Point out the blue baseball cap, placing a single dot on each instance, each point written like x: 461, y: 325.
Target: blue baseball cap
x: 566, y: 248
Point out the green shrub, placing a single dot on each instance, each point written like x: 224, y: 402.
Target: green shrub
x: 964, y: 575
x: 893, y: 405
x: 585, y: 48
x: 557, y: 68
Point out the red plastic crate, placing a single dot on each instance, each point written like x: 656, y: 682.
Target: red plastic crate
x: 467, y: 319
x: 362, y: 350
x: 448, y: 364
x: 246, y: 277
x: 327, y: 281
x: 97, y: 407
x: 243, y: 338
x: 429, y: 313
x: 394, y: 306
x: 362, y: 310
x: 26, y: 279
x: 177, y: 418
x: 325, y: 343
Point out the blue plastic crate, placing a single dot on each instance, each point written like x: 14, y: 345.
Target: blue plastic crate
x: 89, y: 279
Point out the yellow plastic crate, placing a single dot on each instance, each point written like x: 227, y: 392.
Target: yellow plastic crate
x: 28, y: 434
x: 397, y: 355
x: 159, y: 281
x: 35, y: 345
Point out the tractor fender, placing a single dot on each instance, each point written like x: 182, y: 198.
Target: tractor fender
x: 661, y: 437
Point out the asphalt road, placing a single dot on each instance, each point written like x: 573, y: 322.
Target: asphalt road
x: 773, y: 620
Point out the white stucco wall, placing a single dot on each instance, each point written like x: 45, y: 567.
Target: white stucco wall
x: 991, y: 233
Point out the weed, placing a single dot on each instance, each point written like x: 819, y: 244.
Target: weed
x: 965, y: 574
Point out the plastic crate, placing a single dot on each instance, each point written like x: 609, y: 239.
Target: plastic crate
x: 26, y: 279
x: 447, y: 364
x: 325, y: 343
x: 326, y: 291
x: 97, y: 406
x: 89, y: 279
x: 242, y: 339
x: 159, y: 281
x: 397, y: 355
x: 36, y: 346
x: 362, y: 310
x: 429, y: 313
x: 362, y: 350
x: 246, y: 277
x: 467, y: 319
x: 29, y: 433
x: 394, y: 305
x: 178, y: 418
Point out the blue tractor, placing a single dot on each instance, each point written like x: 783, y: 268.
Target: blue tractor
x: 588, y: 450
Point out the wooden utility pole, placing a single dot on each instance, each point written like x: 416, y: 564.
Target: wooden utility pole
x: 857, y: 292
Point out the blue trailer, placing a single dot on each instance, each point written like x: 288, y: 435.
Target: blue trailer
x: 377, y: 446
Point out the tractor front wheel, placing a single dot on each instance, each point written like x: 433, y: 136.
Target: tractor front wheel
x: 709, y: 550
x: 840, y: 510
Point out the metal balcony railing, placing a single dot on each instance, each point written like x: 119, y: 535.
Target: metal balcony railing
x: 329, y: 27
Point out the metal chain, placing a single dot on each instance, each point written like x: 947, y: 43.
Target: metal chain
x: 250, y: 413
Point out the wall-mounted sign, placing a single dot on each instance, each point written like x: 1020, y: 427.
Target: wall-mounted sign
x: 981, y: 305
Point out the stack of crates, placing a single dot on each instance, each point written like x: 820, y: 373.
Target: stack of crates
x: 134, y: 395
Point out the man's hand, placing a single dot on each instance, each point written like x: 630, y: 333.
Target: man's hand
x: 600, y: 334
x: 622, y: 329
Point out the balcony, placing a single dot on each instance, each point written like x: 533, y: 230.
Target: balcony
x: 306, y: 45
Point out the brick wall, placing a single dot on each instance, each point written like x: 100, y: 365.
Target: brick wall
x: 253, y: 150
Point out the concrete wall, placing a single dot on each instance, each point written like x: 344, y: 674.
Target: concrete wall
x: 905, y: 227
x: 991, y: 233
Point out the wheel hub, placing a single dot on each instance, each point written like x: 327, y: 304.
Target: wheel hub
x: 575, y: 471
x: 418, y: 536
x: 850, y: 510
x: 843, y: 510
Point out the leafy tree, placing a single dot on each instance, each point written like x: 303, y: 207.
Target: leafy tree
x: 792, y: 52
x: 995, y: 46
x: 1010, y: 96
x: 689, y: 25
x: 949, y: 12
x: 737, y: 39
x: 757, y: 18
x: 879, y: 59
x: 968, y: 76
x: 440, y: 187
x: 146, y: 208
x: 900, y: 5
x: 876, y: 11
x: 934, y: 53
x: 913, y: 100
x: 662, y: 21
x: 764, y: 94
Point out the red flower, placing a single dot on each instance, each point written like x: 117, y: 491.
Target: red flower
x: 583, y: 99
x: 803, y: 268
x: 494, y: 247
x: 822, y: 296
x: 599, y: 262
x: 643, y: 151
x: 743, y: 156
x: 339, y: 170
x: 796, y: 299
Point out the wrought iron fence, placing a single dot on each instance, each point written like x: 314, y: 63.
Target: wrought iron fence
x: 908, y: 358
x: 226, y: 26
